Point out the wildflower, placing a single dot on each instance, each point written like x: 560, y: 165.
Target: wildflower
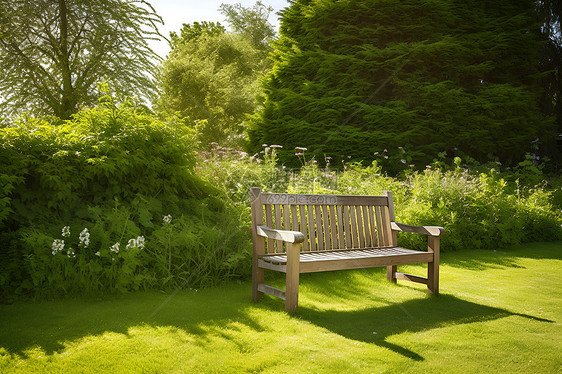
x: 57, y: 246
x: 298, y: 154
x: 167, y: 219
x: 84, y: 238
x: 301, y: 148
x: 264, y: 145
x: 65, y: 231
x: 70, y: 254
x: 131, y: 244
x: 276, y: 146
x: 137, y: 242
x: 115, y: 248
x: 140, y: 242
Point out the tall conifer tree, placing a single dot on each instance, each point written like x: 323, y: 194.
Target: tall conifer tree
x: 356, y: 77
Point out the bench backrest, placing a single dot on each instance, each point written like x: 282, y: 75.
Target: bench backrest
x: 328, y: 222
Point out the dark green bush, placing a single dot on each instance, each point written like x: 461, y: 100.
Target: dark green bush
x: 116, y: 171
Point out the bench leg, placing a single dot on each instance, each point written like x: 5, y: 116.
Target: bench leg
x: 258, y: 276
x: 292, y: 277
x: 390, y: 273
x: 433, y: 267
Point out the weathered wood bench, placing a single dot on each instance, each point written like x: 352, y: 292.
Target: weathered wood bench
x: 297, y: 234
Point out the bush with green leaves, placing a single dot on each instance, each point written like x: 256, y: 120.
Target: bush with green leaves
x: 117, y: 172
x: 479, y: 209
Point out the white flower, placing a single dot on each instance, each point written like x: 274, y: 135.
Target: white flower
x: 167, y: 219
x: 65, y: 231
x: 98, y: 253
x: 140, y: 242
x: 131, y: 244
x: 115, y: 247
x: 85, y: 238
x: 57, y: 246
x: 70, y: 254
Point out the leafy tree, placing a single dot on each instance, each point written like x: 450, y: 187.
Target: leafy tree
x: 251, y: 22
x: 550, y: 14
x: 211, y: 77
x: 53, y: 54
x: 190, y: 32
x: 357, y: 77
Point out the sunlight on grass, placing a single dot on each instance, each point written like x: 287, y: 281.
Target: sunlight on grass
x: 498, y: 312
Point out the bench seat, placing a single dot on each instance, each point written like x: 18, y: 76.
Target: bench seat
x: 345, y: 259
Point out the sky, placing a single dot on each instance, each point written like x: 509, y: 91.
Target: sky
x: 177, y: 12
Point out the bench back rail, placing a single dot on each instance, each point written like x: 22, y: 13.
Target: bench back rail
x: 328, y: 222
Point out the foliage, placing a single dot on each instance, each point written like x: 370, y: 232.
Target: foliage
x: 54, y: 53
x: 482, y: 209
x: 211, y: 77
x: 251, y: 22
x: 117, y: 172
x: 356, y: 77
x: 190, y: 32
x: 550, y: 14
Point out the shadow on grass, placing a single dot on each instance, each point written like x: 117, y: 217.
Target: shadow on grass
x: 52, y: 325
x: 376, y: 325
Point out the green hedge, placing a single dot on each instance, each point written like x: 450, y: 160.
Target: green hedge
x: 115, y: 172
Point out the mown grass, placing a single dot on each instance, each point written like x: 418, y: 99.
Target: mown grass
x: 498, y: 312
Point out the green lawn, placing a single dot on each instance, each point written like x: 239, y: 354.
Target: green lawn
x: 498, y: 312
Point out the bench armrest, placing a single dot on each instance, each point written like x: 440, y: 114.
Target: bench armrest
x: 284, y: 235
x: 425, y: 230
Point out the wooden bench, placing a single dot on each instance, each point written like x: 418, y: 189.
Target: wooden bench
x: 297, y: 234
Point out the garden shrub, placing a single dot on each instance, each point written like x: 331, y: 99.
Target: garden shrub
x: 116, y: 172
x: 479, y: 209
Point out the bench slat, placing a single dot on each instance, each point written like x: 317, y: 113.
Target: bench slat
x: 354, y: 233
x: 277, y: 211
x: 380, y: 235
x: 333, y: 227
x: 319, y: 234
x: 360, y: 226
x: 326, y: 227
x: 303, y: 227
x: 311, y: 230
x: 286, y: 217
x: 294, y: 218
x: 341, y: 240
x: 367, y: 227
x: 348, y: 242
x: 269, y: 223
x: 386, y: 226
x: 372, y: 231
